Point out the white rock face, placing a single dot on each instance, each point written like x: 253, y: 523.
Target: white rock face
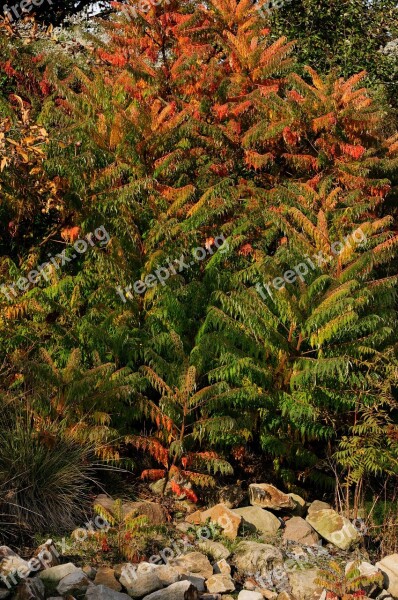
x: 389, y: 567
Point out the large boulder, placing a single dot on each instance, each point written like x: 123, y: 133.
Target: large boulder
x: 263, y: 520
x: 333, y: 527
x: 298, y: 530
x: 75, y: 584
x: 253, y: 558
x: 389, y: 567
x: 101, y: 592
x: 146, y: 578
x: 182, y: 590
x: 220, y: 584
x: 53, y: 575
x: 302, y: 583
x: 268, y: 496
x: 194, y: 563
x: 220, y: 515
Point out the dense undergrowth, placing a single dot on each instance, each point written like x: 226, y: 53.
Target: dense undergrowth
x: 272, y: 354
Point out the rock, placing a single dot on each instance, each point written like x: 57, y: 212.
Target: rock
x: 253, y: 558
x: 52, y: 576
x: 333, y: 527
x: 30, y: 589
x: 219, y: 584
x: 106, y: 576
x: 75, y: 584
x: 215, y: 549
x: 301, y: 506
x: 298, y: 530
x: 263, y: 520
x: 318, y: 505
x: 155, y: 513
x: 215, y: 597
x: 303, y: 584
x: 232, y: 496
x: 47, y: 554
x: 4, y: 594
x: 13, y: 566
x: 101, y: 592
x: 195, y: 563
x: 389, y: 567
x: 146, y: 578
x: 268, y: 496
x: 284, y: 596
x: 248, y: 595
x: 90, y: 571
x: 182, y: 590
x: 225, y: 518
x: 196, y: 580
x: 222, y: 566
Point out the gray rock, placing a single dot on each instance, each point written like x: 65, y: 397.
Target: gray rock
x: 182, y: 590
x: 253, y: 558
x: 220, y: 584
x: 74, y: 584
x: 215, y: 549
x: 4, y: 594
x: 298, y: 530
x: 195, y: 563
x: 30, y: 589
x: 263, y: 520
x: 52, y: 576
x: 266, y: 495
x: 196, y: 580
x: 333, y: 527
x: 101, y: 592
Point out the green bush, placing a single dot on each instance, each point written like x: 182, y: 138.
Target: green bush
x: 44, y: 479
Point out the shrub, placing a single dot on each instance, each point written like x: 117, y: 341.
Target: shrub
x: 44, y: 479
